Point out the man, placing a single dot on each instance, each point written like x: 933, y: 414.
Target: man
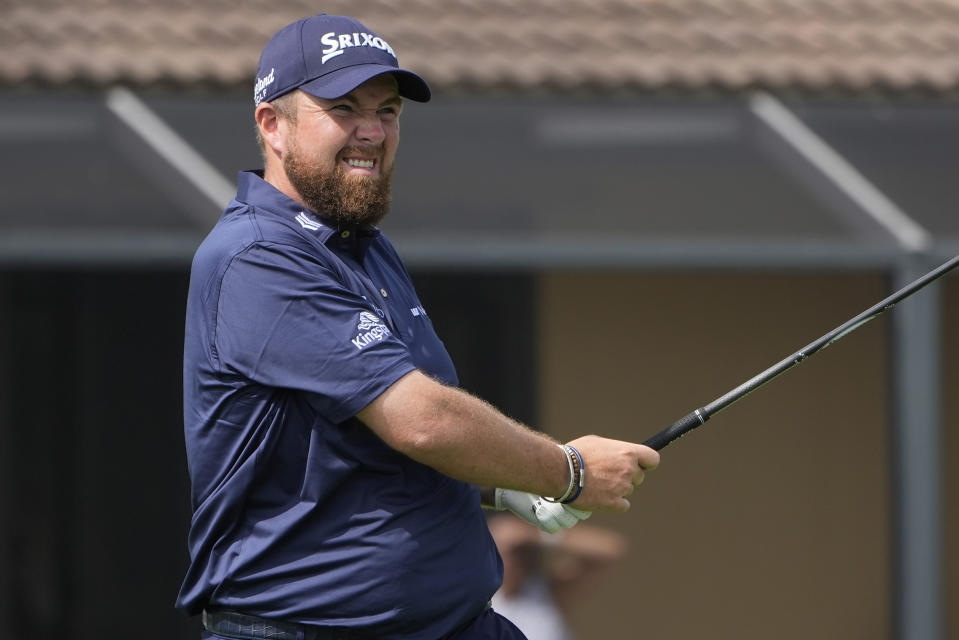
x: 334, y: 463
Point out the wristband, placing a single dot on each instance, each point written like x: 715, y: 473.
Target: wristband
x: 580, y: 467
x: 575, y: 461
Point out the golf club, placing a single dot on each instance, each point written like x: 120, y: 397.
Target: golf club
x: 698, y: 417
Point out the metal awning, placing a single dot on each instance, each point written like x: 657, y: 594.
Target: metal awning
x: 519, y: 182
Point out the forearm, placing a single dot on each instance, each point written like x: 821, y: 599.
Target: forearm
x: 465, y: 437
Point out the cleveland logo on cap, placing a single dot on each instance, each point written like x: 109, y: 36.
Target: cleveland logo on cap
x: 259, y: 89
x: 336, y: 44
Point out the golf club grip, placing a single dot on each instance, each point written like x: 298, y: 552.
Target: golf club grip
x: 677, y: 430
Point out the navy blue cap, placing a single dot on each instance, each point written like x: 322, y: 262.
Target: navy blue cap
x: 329, y: 56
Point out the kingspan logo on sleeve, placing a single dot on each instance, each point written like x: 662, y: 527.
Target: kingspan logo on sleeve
x: 371, y: 329
x: 337, y: 44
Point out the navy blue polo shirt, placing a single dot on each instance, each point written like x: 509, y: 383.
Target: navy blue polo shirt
x: 300, y: 511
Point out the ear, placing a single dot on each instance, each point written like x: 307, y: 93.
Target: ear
x: 269, y: 123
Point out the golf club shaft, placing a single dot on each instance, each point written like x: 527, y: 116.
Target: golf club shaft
x: 698, y: 417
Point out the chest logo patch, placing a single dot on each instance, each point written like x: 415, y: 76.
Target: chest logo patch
x: 370, y: 329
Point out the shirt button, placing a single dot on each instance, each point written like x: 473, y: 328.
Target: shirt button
x: 383, y: 292
x: 344, y: 234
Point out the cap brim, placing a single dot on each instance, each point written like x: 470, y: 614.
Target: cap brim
x: 337, y: 84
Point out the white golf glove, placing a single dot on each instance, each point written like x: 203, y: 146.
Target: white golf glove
x: 547, y: 516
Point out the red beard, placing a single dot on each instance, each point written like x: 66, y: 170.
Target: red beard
x: 360, y: 201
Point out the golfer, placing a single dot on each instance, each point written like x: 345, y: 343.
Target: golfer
x: 335, y: 465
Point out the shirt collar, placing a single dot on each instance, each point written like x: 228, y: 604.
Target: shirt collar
x: 254, y: 190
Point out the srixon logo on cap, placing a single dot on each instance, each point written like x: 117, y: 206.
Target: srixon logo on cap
x: 337, y: 44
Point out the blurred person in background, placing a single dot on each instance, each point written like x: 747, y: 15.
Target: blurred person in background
x: 336, y: 468
x: 546, y: 577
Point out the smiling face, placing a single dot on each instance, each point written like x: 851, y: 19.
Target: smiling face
x: 337, y: 155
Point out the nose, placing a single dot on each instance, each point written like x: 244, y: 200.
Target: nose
x: 370, y: 128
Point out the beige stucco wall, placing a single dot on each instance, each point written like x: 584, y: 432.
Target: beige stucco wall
x: 950, y: 363
x: 772, y: 520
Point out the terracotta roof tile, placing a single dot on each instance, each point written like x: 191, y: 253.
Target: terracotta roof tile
x: 897, y: 45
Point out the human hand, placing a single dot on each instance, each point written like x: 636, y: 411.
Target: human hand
x: 614, y: 469
x: 545, y: 515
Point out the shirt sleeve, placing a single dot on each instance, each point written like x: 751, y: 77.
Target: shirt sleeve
x: 285, y: 319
